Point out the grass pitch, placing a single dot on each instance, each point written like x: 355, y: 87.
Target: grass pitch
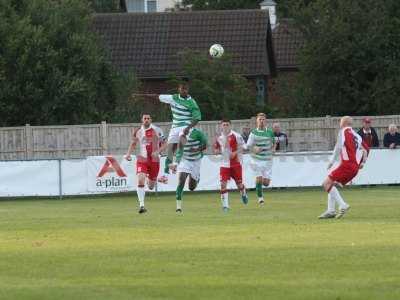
x: 101, y: 248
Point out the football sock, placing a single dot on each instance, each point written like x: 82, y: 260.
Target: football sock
x: 243, y: 191
x: 259, y: 190
x: 331, y: 203
x: 178, y: 204
x: 166, y: 167
x: 141, y: 193
x: 224, y: 198
x: 335, y: 195
x: 179, y: 192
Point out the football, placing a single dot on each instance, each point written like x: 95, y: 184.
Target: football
x: 216, y: 50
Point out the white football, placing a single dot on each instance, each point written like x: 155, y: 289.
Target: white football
x: 216, y: 50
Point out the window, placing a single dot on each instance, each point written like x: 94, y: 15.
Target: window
x: 151, y: 6
x: 135, y: 5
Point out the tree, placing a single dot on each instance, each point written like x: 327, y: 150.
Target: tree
x: 52, y: 68
x: 350, y: 62
x: 217, y: 87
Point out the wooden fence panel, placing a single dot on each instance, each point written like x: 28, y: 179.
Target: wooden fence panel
x: 77, y: 141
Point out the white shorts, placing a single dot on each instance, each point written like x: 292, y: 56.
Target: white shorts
x: 261, y: 168
x: 191, y: 167
x: 173, y: 137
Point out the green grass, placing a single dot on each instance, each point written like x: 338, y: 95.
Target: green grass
x: 101, y: 248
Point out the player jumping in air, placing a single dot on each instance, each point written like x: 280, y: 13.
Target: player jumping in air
x: 192, y: 143
x: 185, y: 115
x: 352, y: 154
x: 261, y: 144
x: 229, y: 144
x: 151, y: 142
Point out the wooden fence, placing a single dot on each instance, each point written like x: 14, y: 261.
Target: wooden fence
x: 77, y: 141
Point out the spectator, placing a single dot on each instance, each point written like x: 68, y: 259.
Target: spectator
x: 392, y: 138
x: 368, y: 134
x: 245, y: 133
x: 281, y: 138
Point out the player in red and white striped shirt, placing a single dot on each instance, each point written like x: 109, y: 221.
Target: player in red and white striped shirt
x: 229, y: 144
x: 352, y: 154
x: 151, y: 142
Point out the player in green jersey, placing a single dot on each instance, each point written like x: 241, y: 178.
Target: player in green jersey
x: 192, y: 143
x: 261, y: 144
x: 185, y: 115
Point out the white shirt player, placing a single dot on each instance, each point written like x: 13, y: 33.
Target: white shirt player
x: 227, y: 144
x: 149, y: 140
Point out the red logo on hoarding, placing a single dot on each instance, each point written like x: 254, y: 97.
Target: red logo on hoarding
x: 111, y: 165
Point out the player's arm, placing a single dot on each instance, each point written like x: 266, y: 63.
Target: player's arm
x: 132, y: 145
x: 168, y: 99
x: 163, y: 143
x: 250, y: 145
x: 336, y: 151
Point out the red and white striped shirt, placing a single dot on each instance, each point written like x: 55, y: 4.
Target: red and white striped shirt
x: 349, y: 147
x: 228, y: 144
x: 149, y: 140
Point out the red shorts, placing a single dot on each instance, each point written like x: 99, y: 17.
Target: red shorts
x: 234, y: 172
x: 150, y: 168
x: 344, y: 173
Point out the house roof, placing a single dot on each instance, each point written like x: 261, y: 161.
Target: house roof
x: 149, y: 43
x: 287, y: 41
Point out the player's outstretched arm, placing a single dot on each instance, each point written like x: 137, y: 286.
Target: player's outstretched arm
x: 132, y: 145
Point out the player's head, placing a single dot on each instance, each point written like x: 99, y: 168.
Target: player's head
x: 226, y: 125
x: 261, y: 120
x: 183, y: 89
x: 276, y: 127
x: 346, y: 121
x: 146, y: 120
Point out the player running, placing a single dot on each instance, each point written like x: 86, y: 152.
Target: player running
x: 261, y: 144
x: 185, y: 115
x: 352, y: 154
x: 151, y: 142
x: 191, y: 146
x: 230, y: 145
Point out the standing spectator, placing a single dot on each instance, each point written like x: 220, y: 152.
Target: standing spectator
x: 392, y: 138
x: 281, y: 139
x: 368, y: 134
x: 245, y: 133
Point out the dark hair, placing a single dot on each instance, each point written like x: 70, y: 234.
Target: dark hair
x: 226, y: 121
x: 146, y: 114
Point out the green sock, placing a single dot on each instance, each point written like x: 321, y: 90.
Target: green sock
x: 167, y: 163
x: 259, y: 190
x: 179, y: 192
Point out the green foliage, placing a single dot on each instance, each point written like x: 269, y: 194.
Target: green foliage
x: 217, y: 87
x: 52, y: 70
x: 221, y: 4
x: 351, y: 59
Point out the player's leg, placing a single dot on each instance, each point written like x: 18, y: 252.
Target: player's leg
x: 154, y: 169
x: 331, y: 210
x: 224, y: 175
x: 259, y: 189
x: 192, y: 183
x: 179, y: 190
x: 237, y: 175
x: 342, y: 175
x: 141, y: 191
